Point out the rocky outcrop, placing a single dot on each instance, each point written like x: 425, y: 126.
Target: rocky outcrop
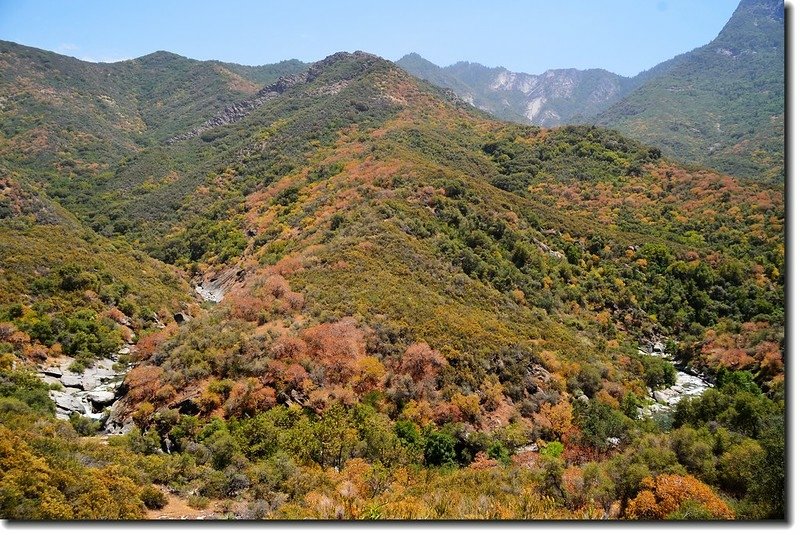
x: 89, y: 392
x: 214, y: 287
x: 546, y: 249
x: 240, y: 110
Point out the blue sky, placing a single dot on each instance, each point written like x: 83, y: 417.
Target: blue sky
x: 624, y: 36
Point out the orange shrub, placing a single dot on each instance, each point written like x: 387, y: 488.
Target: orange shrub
x: 249, y: 397
x: 295, y: 300
x: 421, y: 362
x: 558, y: 417
x: 277, y: 286
x: 247, y: 308
x: 149, y: 343
x: 143, y: 383
x: 664, y: 495
x: 295, y: 375
x: 337, y: 347
x: 289, y: 348
x: 36, y: 352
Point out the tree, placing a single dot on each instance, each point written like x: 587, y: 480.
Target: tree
x: 740, y: 467
x: 335, y: 437
x: 599, y: 422
x: 552, y: 450
x: 440, y: 449
x: 559, y: 416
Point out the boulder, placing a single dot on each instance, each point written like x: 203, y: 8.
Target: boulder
x: 101, y: 397
x: 158, y: 321
x: 53, y: 371
x: 532, y: 447
x: 72, y: 380
x: 67, y: 402
x: 50, y: 379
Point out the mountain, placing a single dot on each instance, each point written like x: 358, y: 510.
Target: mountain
x: 552, y: 98
x: 266, y: 74
x: 412, y: 310
x: 116, y: 108
x: 721, y: 105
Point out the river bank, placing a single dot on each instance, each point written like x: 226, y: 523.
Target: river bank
x: 688, y: 384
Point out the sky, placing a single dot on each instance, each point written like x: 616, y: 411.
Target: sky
x: 623, y: 36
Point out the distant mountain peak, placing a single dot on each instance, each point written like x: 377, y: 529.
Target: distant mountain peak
x: 732, y: 119
x: 555, y: 97
x: 756, y: 24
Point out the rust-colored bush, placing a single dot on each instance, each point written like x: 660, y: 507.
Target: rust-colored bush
x: 249, y: 397
x: 663, y: 495
x: 143, y: 383
x: 337, y: 347
x: 421, y: 362
x: 289, y: 348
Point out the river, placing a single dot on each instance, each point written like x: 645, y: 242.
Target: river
x: 687, y: 384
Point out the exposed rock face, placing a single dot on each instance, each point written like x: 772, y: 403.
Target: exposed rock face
x: 215, y: 287
x: 240, y: 110
x: 555, y: 97
x: 542, y: 93
x: 89, y: 392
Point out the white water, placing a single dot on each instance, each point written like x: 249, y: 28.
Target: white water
x: 687, y: 385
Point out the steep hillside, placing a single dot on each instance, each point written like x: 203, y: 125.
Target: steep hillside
x: 721, y: 105
x: 81, y: 118
x: 416, y: 301
x: 552, y: 98
x: 267, y: 74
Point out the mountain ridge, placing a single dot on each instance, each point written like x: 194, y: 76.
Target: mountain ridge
x: 416, y: 301
x: 721, y: 104
x: 551, y: 98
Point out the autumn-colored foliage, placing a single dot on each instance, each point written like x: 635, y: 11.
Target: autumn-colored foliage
x: 143, y: 383
x: 664, y: 495
x: 421, y: 362
x: 426, y: 313
x: 337, y: 347
x: 248, y: 398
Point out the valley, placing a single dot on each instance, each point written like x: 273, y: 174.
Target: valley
x: 336, y: 291
x: 719, y: 106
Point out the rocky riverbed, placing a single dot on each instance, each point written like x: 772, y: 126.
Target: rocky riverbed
x: 213, y: 286
x: 89, y: 393
x: 688, y: 383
